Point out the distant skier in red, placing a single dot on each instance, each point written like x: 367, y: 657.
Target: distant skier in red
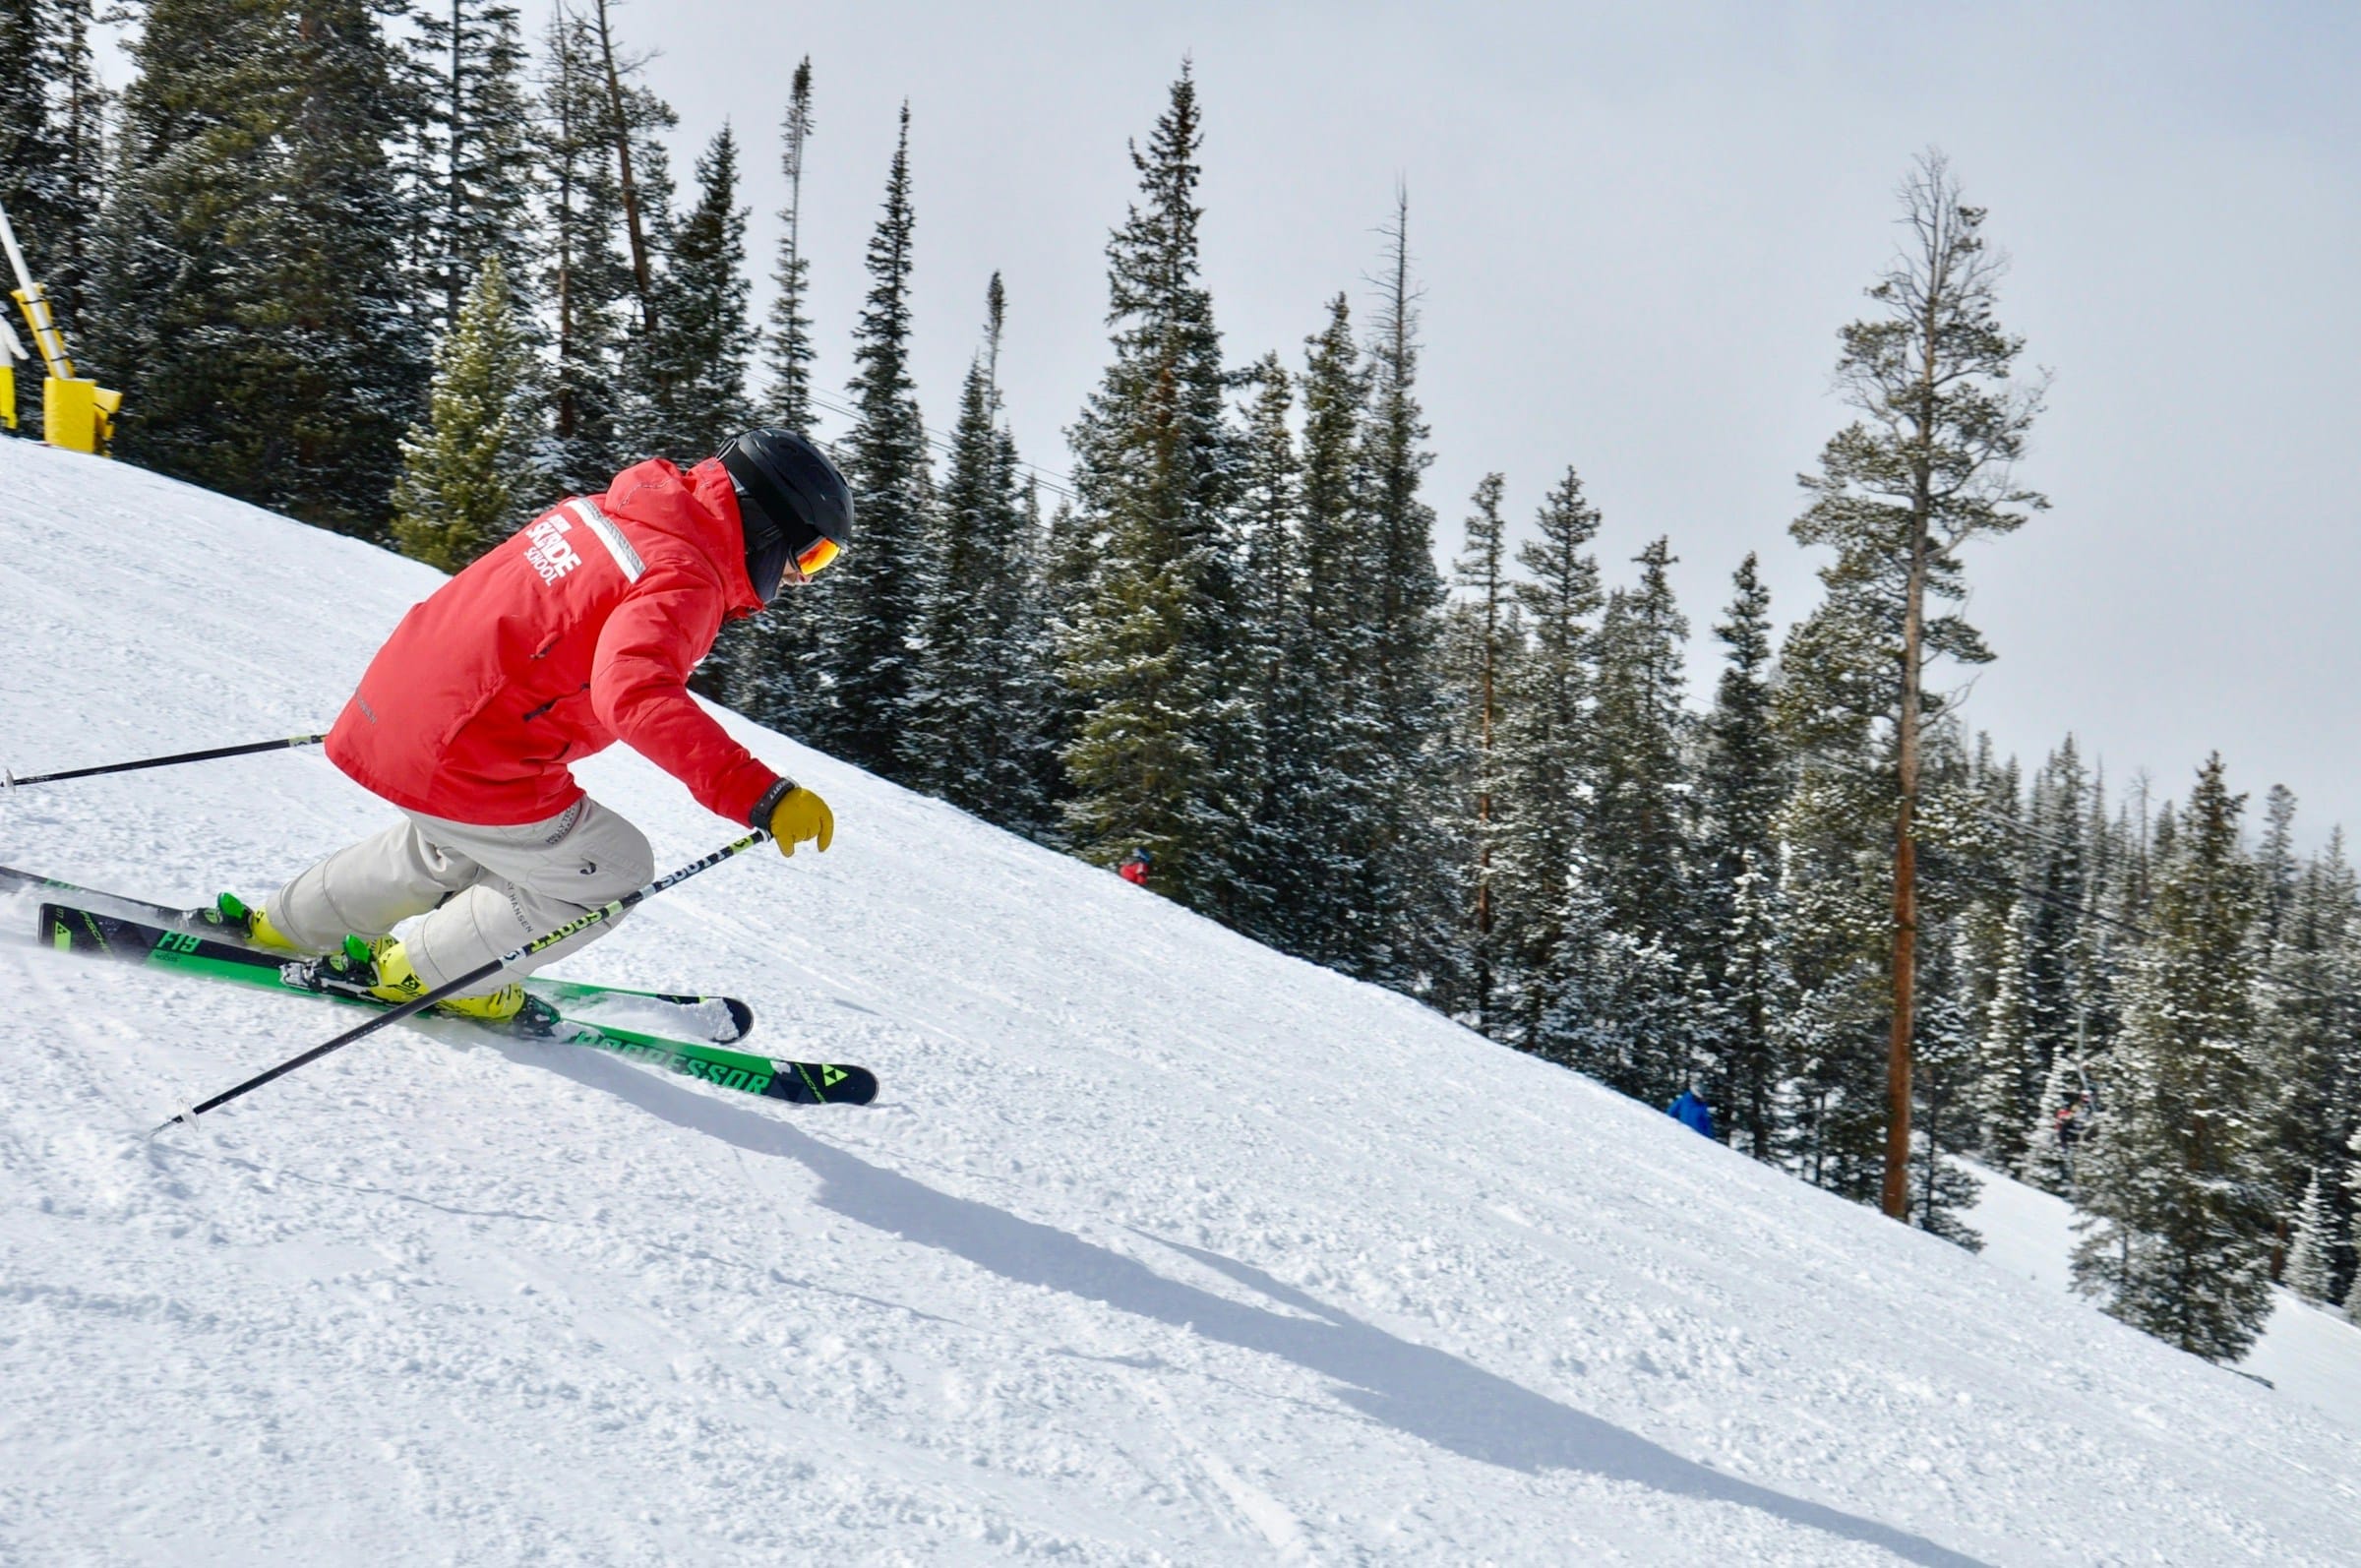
x: 1134, y: 870
x: 579, y: 632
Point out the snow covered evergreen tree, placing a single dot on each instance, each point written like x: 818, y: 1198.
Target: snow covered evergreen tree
x: 1742, y: 779
x: 978, y: 704
x: 469, y: 477
x: 2275, y: 857
x: 2178, y: 1183
x: 1270, y: 593
x: 1942, y: 1124
x: 1925, y: 469
x: 1481, y: 640
x: 2009, y: 1086
x: 1329, y: 733
x: 772, y: 675
x: 477, y: 154
x: 1160, y: 745
x: 788, y: 399
x: 273, y: 353
x: 1548, y: 901
x: 1410, y: 870
x: 697, y: 362
x: 53, y: 160
x: 1835, y: 830
x: 2312, y: 1246
x: 587, y: 283
x: 2311, y: 1022
x: 875, y: 613
x: 1639, y: 787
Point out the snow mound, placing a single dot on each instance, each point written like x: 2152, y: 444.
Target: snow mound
x: 1157, y: 1248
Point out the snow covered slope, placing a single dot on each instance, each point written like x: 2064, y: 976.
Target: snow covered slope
x: 1157, y: 1248
x: 2309, y: 1354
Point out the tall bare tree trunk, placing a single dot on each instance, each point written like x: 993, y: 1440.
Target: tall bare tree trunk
x: 641, y: 278
x: 1897, y: 1191
x: 1906, y: 893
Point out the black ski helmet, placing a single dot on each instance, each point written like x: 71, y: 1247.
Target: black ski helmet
x: 790, y: 498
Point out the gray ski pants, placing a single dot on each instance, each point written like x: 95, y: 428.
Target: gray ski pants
x: 484, y: 890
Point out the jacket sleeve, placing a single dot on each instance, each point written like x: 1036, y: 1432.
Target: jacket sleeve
x: 639, y: 688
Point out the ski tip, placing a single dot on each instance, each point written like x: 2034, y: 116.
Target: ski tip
x: 824, y: 1083
x: 741, y: 1018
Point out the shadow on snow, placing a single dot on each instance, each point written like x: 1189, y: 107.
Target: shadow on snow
x: 1425, y: 1393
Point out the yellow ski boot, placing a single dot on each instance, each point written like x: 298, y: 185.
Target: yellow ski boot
x: 382, y: 971
x: 248, y: 923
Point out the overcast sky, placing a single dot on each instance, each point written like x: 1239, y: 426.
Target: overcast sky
x: 1639, y: 227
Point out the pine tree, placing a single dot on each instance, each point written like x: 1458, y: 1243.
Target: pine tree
x: 476, y: 148
x: 1636, y: 845
x: 52, y: 158
x: 788, y: 400
x: 774, y: 674
x: 629, y: 118
x: 33, y: 186
x: 271, y: 352
x: 1898, y: 493
x: 2312, y: 1023
x: 2010, y: 1091
x: 977, y: 708
x: 875, y: 613
x: 2056, y: 944
x: 1270, y: 594
x: 1409, y: 874
x: 2277, y: 859
x: 1160, y: 749
x: 1942, y: 1190
x: 1547, y: 901
x: 1833, y: 832
x: 1483, y: 641
x: 2308, y: 1255
x: 1330, y: 730
x: 2176, y: 1186
x: 697, y: 362
x: 632, y: 123
x: 588, y: 282
x: 1742, y: 779
x: 468, y: 479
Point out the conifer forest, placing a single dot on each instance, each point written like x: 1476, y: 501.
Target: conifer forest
x: 414, y: 275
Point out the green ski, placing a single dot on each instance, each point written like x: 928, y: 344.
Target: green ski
x: 714, y: 1020
x: 72, y: 930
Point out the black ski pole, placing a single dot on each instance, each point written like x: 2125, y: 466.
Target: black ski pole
x: 12, y: 781
x: 418, y: 1004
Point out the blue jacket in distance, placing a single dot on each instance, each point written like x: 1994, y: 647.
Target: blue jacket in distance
x: 1692, y: 1111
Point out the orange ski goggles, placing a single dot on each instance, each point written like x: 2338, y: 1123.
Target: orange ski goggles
x: 815, y: 557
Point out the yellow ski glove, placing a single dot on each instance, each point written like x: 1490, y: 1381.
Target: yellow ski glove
x: 793, y: 815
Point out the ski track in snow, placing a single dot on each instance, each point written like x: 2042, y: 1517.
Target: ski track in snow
x: 1157, y: 1248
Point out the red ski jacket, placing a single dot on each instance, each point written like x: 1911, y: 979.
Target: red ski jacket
x: 577, y: 633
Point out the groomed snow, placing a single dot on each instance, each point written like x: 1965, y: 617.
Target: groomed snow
x: 1157, y: 1248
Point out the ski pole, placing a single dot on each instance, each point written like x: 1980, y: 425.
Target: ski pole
x: 482, y: 972
x: 12, y: 781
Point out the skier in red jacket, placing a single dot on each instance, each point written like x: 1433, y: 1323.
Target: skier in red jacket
x: 579, y: 632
